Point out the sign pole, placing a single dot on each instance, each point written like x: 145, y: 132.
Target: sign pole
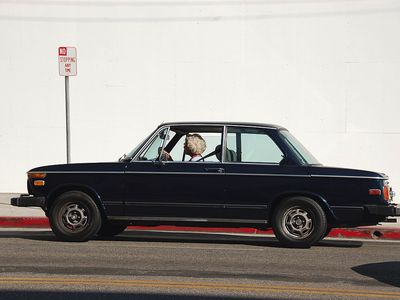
x: 67, y: 67
x: 67, y: 119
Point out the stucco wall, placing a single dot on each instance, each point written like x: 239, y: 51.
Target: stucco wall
x: 327, y: 70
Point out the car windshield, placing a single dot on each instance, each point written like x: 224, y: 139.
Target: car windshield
x: 132, y: 153
x: 301, y: 152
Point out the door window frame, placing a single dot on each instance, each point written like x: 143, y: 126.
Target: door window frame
x: 168, y: 127
x: 266, y: 131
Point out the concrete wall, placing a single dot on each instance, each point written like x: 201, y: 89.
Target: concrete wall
x: 327, y: 70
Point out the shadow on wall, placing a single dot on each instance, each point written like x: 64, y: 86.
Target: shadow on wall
x: 386, y: 272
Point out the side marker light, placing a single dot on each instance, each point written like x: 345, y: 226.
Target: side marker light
x: 375, y: 192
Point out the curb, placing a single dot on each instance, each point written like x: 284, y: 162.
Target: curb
x: 370, y: 232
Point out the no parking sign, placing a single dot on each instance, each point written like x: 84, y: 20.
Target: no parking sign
x: 67, y: 61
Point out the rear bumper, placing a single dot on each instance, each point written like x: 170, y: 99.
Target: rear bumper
x: 28, y: 200
x: 351, y: 216
x: 378, y: 210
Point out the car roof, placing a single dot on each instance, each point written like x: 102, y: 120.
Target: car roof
x: 263, y: 125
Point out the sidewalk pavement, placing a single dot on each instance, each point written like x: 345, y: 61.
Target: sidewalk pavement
x: 34, y: 217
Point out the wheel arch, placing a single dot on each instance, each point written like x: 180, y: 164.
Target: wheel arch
x: 80, y: 188
x: 331, y: 218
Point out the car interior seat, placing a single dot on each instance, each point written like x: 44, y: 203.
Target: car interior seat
x: 218, y: 152
x: 230, y: 155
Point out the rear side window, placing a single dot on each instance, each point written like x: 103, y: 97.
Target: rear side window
x: 251, y: 145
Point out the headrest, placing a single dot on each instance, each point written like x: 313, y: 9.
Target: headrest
x: 218, y: 152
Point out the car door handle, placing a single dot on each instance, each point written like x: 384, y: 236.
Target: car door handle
x: 214, y: 170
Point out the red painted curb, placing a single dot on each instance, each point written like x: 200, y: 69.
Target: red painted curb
x: 28, y: 222
x: 373, y: 232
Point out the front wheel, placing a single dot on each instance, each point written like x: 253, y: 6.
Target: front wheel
x: 299, y: 222
x: 74, y: 217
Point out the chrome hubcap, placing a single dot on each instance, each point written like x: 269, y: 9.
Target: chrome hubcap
x: 74, y: 217
x: 297, y: 223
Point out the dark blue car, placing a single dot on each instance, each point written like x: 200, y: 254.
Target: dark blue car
x: 246, y: 175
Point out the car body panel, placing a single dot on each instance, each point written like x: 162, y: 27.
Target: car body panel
x: 209, y: 193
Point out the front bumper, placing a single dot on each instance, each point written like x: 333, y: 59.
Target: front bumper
x: 28, y: 200
x: 378, y: 210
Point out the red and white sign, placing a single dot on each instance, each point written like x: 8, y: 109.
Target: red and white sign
x: 67, y: 61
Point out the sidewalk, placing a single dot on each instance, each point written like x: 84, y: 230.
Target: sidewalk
x: 34, y: 217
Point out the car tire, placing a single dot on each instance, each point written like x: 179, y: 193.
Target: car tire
x: 299, y: 222
x: 327, y: 232
x: 108, y: 229
x: 74, y: 217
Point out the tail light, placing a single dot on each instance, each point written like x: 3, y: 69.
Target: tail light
x: 387, y: 195
x: 375, y: 192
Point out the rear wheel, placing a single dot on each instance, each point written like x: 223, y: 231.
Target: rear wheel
x: 74, y: 217
x: 299, y: 222
x: 110, y: 228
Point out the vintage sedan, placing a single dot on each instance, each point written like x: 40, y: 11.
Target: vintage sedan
x: 247, y: 175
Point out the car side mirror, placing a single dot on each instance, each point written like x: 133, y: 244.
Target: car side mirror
x: 122, y: 158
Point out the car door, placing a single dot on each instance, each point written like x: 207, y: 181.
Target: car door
x: 255, y: 174
x: 177, y: 190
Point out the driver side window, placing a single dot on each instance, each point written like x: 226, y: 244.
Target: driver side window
x: 202, y: 144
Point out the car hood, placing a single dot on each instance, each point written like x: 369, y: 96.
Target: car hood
x: 324, y: 171
x: 81, y: 167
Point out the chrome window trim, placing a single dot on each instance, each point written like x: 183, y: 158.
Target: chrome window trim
x: 163, y: 144
x: 220, y: 124
x: 180, y: 162
x: 254, y: 163
x: 224, y: 143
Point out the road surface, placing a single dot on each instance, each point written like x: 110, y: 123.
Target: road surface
x: 156, y: 265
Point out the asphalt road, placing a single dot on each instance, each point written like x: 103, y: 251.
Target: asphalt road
x: 151, y: 265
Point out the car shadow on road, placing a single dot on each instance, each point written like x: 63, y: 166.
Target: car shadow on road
x: 193, y: 237
x: 60, y: 295
x: 385, y: 272
x: 340, y: 243
x: 213, y: 238
x: 182, y: 237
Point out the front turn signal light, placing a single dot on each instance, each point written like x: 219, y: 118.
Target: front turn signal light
x: 39, y: 183
x: 36, y: 175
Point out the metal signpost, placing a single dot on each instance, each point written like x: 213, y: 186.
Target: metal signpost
x: 67, y: 67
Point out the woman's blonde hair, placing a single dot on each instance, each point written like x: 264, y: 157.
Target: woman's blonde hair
x: 195, y: 143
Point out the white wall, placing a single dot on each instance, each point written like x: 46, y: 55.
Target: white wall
x: 327, y: 70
